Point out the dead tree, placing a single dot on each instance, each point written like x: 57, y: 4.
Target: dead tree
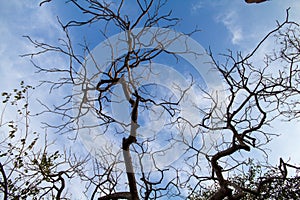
x: 259, y: 97
x: 256, y: 97
x: 119, y: 72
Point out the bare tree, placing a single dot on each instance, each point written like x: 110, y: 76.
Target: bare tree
x: 259, y: 97
x: 137, y: 49
x: 255, y: 98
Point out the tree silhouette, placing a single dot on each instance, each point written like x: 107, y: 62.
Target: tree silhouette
x: 215, y: 142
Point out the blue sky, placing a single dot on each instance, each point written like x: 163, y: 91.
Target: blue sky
x: 224, y: 24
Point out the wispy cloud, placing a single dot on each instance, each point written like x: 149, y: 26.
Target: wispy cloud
x: 248, y: 24
x: 229, y: 19
x: 20, y: 18
x: 196, y: 6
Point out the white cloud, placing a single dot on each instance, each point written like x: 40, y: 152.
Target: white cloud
x: 249, y: 23
x: 22, y: 18
x: 196, y: 6
x: 229, y: 19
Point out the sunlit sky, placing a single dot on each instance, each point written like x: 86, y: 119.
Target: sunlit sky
x: 224, y: 24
